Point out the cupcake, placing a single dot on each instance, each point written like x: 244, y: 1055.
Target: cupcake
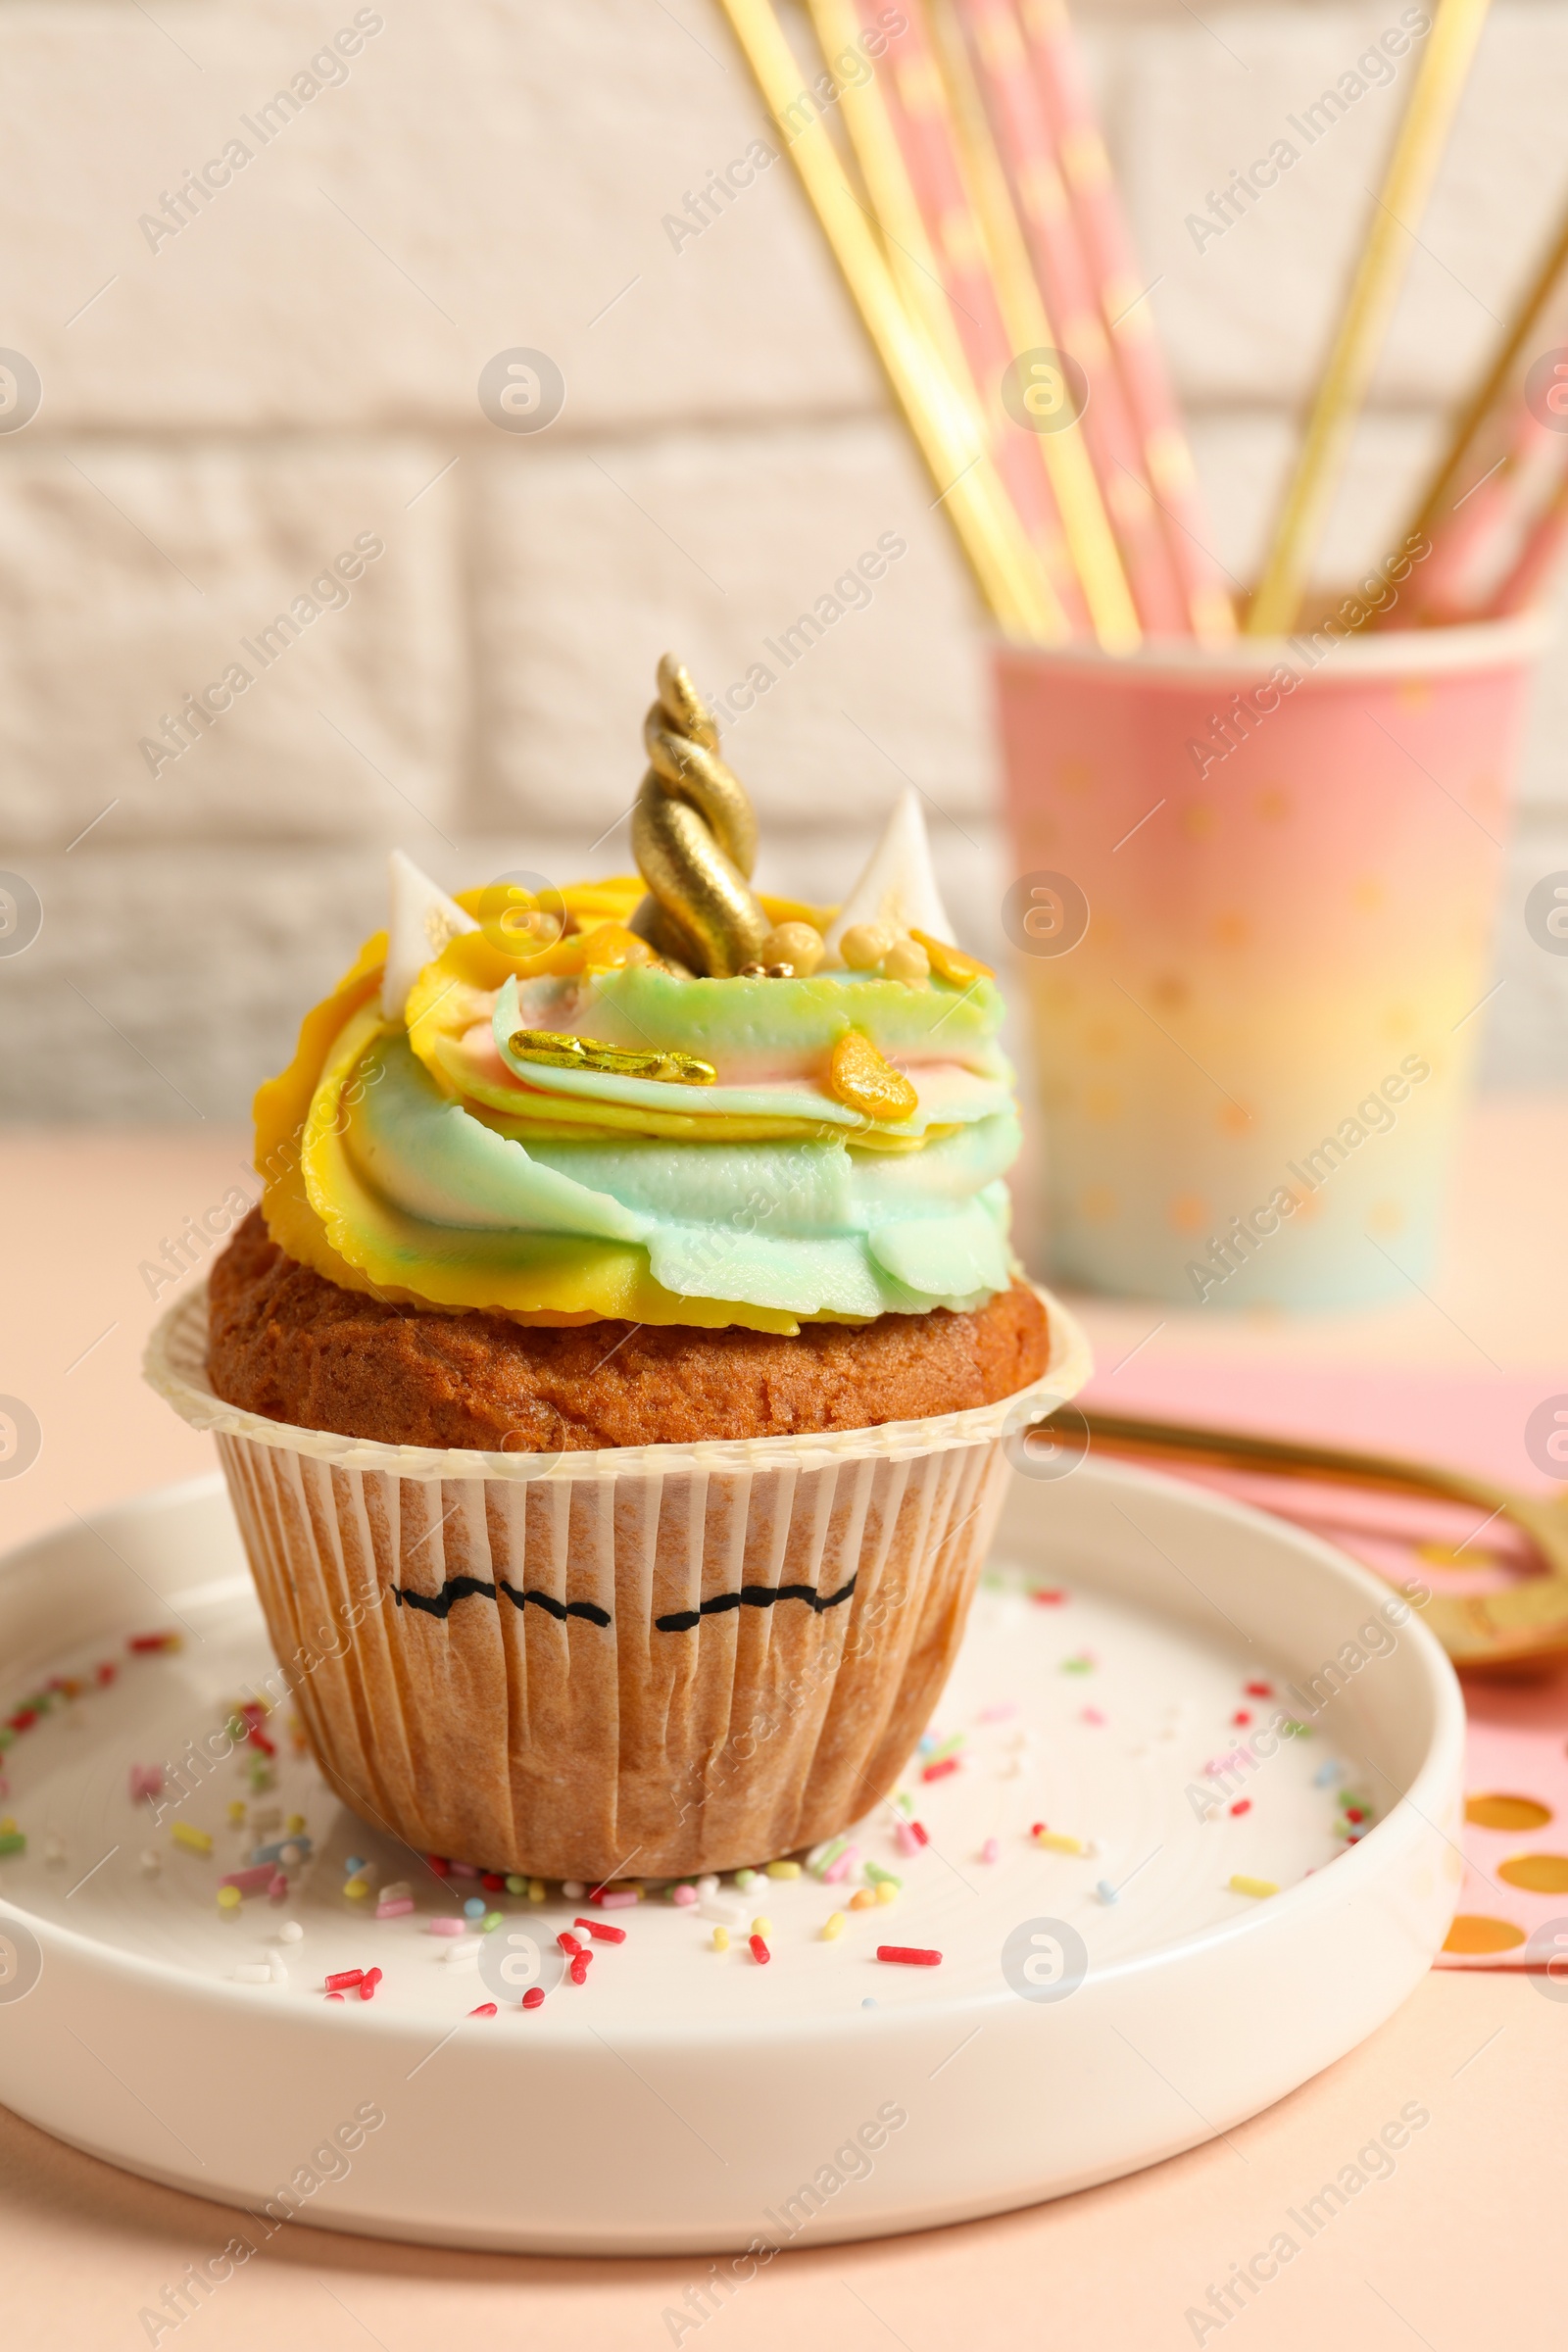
x: 612, y: 1382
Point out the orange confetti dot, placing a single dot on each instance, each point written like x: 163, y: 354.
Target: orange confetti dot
x: 1539, y: 1873
x: 1504, y: 1812
x: 1472, y: 1933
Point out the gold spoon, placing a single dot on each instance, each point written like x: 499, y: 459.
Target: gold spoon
x: 1521, y: 1626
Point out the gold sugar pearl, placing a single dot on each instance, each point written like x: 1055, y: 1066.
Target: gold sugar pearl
x: 865, y: 945
x: 906, y: 961
x: 861, y: 1080
x: 799, y: 945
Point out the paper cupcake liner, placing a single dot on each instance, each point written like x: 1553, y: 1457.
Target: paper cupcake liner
x: 653, y: 1660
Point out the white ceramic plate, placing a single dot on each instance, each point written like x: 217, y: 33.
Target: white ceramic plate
x: 690, y: 2101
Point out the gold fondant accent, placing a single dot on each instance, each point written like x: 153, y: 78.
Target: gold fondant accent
x: 562, y: 1051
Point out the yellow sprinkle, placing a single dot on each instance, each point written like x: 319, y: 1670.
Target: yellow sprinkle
x: 8, y: 1826
x: 832, y: 1926
x: 536, y: 1890
x: 862, y: 1899
x: 950, y: 963
x: 1057, y: 1842
x: 783, y: 1870
x: 296, y: 1825
x: 229, y: 1898
x: 236, y: 1810
x: 761, y: 1926
x: 355, y: 1889
x: 1257, y: 1886
x: 721, y: 1940
x: 860, y: 1079
x: 186, y: 1832
x: 886, y: 1892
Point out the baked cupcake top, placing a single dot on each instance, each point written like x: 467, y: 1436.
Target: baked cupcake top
x: 664, y: 1099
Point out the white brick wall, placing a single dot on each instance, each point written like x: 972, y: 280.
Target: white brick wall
x: 297, y: 366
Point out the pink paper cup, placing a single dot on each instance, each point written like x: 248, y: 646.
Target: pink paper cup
x: 1253, y: 900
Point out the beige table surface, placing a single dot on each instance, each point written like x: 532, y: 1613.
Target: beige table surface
x: 1462, y: 2247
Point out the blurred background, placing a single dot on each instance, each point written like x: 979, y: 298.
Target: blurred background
x: 228, y: 403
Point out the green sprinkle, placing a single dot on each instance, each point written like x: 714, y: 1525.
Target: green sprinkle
x: 948, y: 1747
x: 12, y: 1842
x: 829, y: 1855
x: 6, y: 1737
x: 905, y: 1801
x: 1296, y: 1730
x: 1078, y: 1665
x: 880, y: 1877
x: 491, y: 1920
x: 517, y: 1885
x: 745, y: 1878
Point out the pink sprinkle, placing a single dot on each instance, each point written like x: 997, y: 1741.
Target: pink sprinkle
x: 990, y: 1851
x: 909, y: 1955
x: 1049, y: 1598
x: 464, y: 1870
x: 939, y: 1771
x: 335, y: 1996
x: 447, y: 1927
x: 1000, y: 1713
x: 684, y: 1895
x: 907, y: 1841
x: 1241, y: 1716
x: 840, y: 1866
x: 399, y: 1908
x: 278, y: 1886
x: 252, y: 1881
x: 600, y: 1930
x: 146, y: 1780
x: 616, y: 1902
x: 533, y: 1998
x: 1091, y: 1715
x: 1243, y: 1804
x: 485, y: 2009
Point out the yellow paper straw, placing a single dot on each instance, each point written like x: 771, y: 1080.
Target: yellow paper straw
x: 1005, y: 567
x: 1095, y: 558
x: 1407, y: 185
x: 1459, y: 457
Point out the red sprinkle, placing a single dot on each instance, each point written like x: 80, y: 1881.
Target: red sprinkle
x: 485, y: 2009
x: 345, y: 1978
x: 1354, y: 1813
x: 760, y: 1952
x: 939, y: 1770
x: 142, y: 1642
x: 1243, y: 1804
x: 909, y: 1955
x: 1037, y: 1829
x: 568, y: 1942
x: 579, y: 1968
x: 439, y: 1864
x: 919, y: 1832
x: 1259, y: 1690
x: 368, y: 1983
x: 492, y: 1881
x: 533, y: 1998
x: 602, y: 1930
x: 1241, y: 1716
x: 335, y: 1996
x: 1048, y: 1598
x: 105, y: 1673
x: 23, y: 1720
x: 258, y: 1738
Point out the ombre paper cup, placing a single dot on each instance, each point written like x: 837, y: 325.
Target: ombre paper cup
x: 1253, y: 899
x: 656, y: 1659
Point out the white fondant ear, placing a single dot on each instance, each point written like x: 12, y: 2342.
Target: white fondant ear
x: 421, y: 920
x: 898, y: 885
